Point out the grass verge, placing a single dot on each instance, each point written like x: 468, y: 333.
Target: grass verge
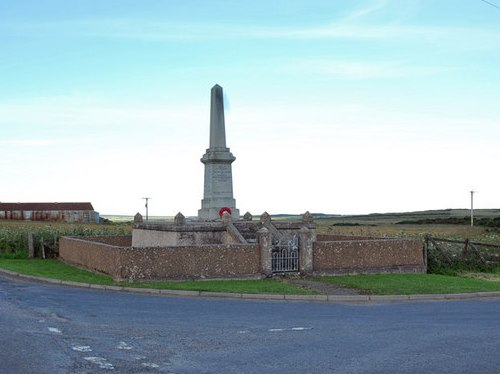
x: 58, y: 270
x: 379, y: 284
x: 411, y: 284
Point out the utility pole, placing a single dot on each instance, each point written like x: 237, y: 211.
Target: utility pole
x: 472, y: 208
x: 147, y: 199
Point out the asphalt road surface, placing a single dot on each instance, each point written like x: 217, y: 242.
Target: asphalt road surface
x: 56, y: 329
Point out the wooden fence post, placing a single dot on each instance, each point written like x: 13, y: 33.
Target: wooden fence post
x: 31, y: 246
x: 42, y: 245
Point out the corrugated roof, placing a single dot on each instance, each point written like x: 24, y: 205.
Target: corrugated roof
x: 45, y: 206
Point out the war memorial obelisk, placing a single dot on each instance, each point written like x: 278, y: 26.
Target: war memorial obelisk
x: 218, y: 186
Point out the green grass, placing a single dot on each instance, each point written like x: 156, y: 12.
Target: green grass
x: 411, y: 284
x: 58, y: 270
x: 54, y: 269
x: 381, y: 284
x: 261, y: 286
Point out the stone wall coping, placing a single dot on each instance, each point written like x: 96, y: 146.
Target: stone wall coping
x: 89, y: 239
x: 217, y: 225
x: 180, y: 247
x: 187, y: 227
x: 284, y: 225
x: 371, y: 240
x: 196, y: 246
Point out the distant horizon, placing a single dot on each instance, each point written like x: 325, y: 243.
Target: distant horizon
x: 328, y: 214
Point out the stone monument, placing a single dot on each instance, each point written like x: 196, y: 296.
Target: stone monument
x: 218, y: 186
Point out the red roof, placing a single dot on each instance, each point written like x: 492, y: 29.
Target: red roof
x: 45, y: 206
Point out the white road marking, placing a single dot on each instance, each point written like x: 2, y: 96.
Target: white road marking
x: 82, y: 348
x: 150, y: 365
x: 102, y: 362
x: 291, y: 329
x: 243, y: 332
x: 54, y: 330
x: 124, y: 346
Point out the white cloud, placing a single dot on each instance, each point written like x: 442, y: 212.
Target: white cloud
x: 351, y: 26
x: 367, y: 10
x: 28, y: 142
x: 366, y: 69
x: 90, y: 114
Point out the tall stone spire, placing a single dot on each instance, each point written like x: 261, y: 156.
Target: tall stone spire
x: 217, y: 123
x: 218, y: 186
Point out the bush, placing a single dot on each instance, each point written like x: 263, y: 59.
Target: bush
x: 449, y: 262
x: 14, y: 234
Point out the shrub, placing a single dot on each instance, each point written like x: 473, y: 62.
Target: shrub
x: 14, y: 234
x: 447, y: 260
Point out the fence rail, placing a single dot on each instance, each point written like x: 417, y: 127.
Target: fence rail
x: 464, y: 241
x: 451, y: 250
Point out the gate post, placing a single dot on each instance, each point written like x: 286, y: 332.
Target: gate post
x: 266, y: 247
x: 306, y: 250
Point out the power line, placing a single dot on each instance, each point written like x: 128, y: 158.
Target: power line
x: 492, y: 4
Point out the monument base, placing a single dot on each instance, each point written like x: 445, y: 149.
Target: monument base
x: 211, y: 214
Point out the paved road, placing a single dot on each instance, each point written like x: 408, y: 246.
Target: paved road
x: 56, y: 329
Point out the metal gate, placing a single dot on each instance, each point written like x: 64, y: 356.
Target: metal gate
x: 285, y: 257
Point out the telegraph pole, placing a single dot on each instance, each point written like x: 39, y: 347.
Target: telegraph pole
x: 147, y: 199
x: 472, y: 208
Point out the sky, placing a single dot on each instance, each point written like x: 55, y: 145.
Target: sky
x: 341, y: 107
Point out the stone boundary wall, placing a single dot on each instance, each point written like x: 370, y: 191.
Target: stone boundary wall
x: 347, y: 255
x: 180, y: 262
x: 93, y: 253
x: 368, y: 256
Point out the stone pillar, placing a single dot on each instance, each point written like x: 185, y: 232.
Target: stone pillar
x: 179, y: 219
x: 307, y: 217
x: 218, y: 182
x: 138, y: 218
x: 266, y: 248
x: 265, y: 217
x: 306, y: 242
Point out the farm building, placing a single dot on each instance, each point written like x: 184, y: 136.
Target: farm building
x: 63, y: 212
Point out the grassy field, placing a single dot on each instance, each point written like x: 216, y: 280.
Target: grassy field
x: 14, y: 234
x: 366, y: 219
x: 480, y: 234
x: 394, y: 218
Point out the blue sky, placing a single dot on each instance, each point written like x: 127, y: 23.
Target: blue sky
x: 331, y: 106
